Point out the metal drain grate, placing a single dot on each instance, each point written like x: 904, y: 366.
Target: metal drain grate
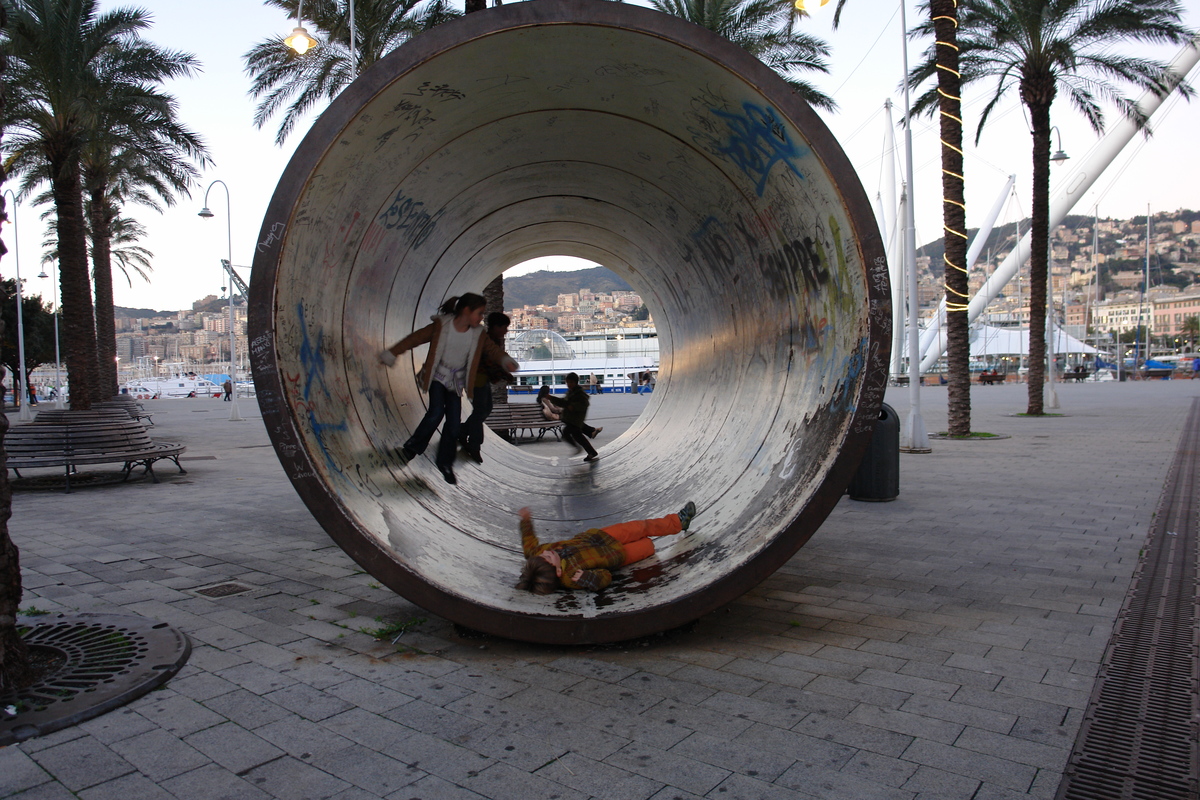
x: 1140, y: 738
x: 104, y: 661
x: 223, y: 590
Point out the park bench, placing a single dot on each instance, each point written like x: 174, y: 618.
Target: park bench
x: 70, y: 438
x: 988, y: 379
x: 522, y: 389
x: 1077, y: 375
x: 509, y: 419
x: 127, y: 404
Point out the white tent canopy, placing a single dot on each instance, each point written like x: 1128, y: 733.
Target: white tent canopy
x: 989, y: 341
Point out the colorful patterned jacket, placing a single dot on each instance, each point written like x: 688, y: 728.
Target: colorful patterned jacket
x: 593, y: 551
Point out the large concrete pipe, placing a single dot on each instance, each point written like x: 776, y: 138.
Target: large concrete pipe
x: 617, y: 134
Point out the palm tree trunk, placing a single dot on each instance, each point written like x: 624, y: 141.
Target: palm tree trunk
x: 78, y: 317
x: 106, y: 329
x: 954, y: 218
x: 1039, y: 235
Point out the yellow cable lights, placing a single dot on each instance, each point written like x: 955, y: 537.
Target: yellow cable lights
x: 952, y: 306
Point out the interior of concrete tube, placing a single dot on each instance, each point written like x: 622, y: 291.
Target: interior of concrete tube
x: 629, y: 138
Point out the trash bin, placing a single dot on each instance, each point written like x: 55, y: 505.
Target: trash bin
x: 878, y: 476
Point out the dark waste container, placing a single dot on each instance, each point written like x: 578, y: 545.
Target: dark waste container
x: 878, y: 476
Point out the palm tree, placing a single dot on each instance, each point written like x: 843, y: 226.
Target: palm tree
x: 279, y: 75
x: 1042, y: 47
x: 942, y: 62
x: 74, y: 73
x: 1191, y: 329
x: 767, y: 30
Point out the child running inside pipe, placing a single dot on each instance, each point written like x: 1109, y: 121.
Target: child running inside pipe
x: 587, y: 560
x: 574, y: 416
x: 456, y: 344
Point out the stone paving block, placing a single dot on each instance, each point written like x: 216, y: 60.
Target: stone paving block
x: 211, y: 659
x: 271, y: 656
x: 621, y: 698
x: 202, y: 686
x: 175, y: 713
x: 963, y: 677
x: 902, y: 722
x: 935, y: 784
x: 299, y: 737
x: 484, y: 681
x: 817, y: 666
x: 696, y: 718
x: 521, y: 751
x: 703, y: 658
x: 741, y: 787
x: 272, y: 633
x: 1012, y: 748
x: 367, y: 769
x: 432, y: 690
x: 81, y: 763
x: 721, y: 752
x: 19, y: 771
x: 504, y: 782
x: 369, y: 696
x: 674, y: 793
x: 959, y: 713
x: 817, y: 752
x: 233, y: 747
x: 433, y: 720
x: 46, y: 791
x: 770, y: 674
x: 908, y: 683
x: 368, y: 729
x: 860, y: 692
x: 549, y: 678
x: 292, y: 779
x: 116, y: 725
x: 159, y: 755
x: 308, y: 702
x: 597, y: 779
x: 781, y: 715
x: 1044, y: 693
x: 592, y: 668
x: 670, y: 688
x: 127, y: 787
x: 719, y: 679
x: 854, y: 734
x: 431, y: 787
x: 827, y: 784
x: 660, y: 765
x: 439, y: 757
x: 246, y: 709
x: 221, y: 637
x: 256, y: 678
x: 877, y: 768
x: 985, y: 768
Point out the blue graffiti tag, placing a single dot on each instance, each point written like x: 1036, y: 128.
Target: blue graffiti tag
x: 758, y: 140
x: 313, y: 360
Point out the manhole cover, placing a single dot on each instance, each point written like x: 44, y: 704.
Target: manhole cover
x: 223, y: 590
x: 98, y: 662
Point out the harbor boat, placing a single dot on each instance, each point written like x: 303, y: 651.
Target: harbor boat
x: 612, y: 375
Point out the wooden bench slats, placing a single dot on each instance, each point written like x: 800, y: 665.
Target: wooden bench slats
x: 512, y: 418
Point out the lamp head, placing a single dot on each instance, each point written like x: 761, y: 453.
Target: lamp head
x: 204, y: 212
x: 1059, y: 156
x: 43, y: 274
x: 300, y: 41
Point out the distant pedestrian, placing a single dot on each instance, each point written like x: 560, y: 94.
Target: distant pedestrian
x: 489, y: 372
x: 1195, y: 367
x: 593, y: 385
x: 456, y: 345
x: 228, y: 387
x: 574, y: 415
x: 586, y: 561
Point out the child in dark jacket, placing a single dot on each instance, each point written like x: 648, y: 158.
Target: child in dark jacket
x: 574, y: 415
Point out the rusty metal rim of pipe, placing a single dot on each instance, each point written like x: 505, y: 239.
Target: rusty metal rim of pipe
x: 346, y: 504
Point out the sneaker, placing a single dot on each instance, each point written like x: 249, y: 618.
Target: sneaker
x: 596, y: 432
x: 594, y: 457
x: 406, y: 454
x: 387, y: 358
x: 686, y: 514
x: 448, y: 475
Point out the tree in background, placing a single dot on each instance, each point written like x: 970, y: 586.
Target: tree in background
x: 1041, y: 47
x: 280, y: 77
x: 766, y: 29
x: 39, y: 334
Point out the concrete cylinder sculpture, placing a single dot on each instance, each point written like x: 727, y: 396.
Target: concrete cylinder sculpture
x: 638, y: 141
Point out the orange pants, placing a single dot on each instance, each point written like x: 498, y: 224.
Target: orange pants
x: 633, y: 536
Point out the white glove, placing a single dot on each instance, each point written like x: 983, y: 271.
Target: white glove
x: 387, y: 358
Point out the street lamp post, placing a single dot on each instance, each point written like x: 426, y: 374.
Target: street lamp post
x: 621, y: 347
x: 234, y: 416
x: 24, y: 414
x: 58, y: 389
x: 550, y: 346
x: 1051, y: 394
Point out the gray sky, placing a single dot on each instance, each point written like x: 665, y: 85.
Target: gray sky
x: 1164, y: 172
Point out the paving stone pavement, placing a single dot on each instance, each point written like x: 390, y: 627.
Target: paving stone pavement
x: 942, y: 645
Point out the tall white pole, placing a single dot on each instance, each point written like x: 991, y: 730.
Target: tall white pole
x: 234, y: 415
x: 353, y: 46
x: 895, y: 245
x: 1076, y: 185
x: 20, y: 395
x: 913, y: 437
x: 1051, y: 394
x: 1146, y: 287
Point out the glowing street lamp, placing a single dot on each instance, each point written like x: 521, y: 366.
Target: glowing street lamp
x: 300, y: 41
x: 810, y: 7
